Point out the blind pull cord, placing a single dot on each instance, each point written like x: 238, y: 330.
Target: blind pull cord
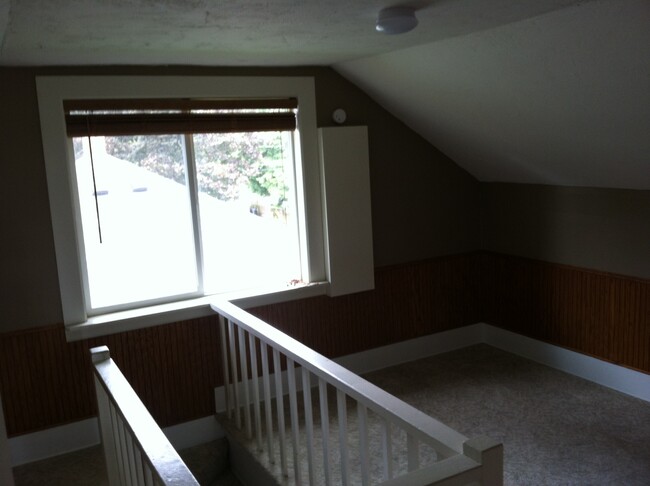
x: 92, y: 170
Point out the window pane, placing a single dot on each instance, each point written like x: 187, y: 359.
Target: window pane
x: 147, y: 247
x: 247, y: 206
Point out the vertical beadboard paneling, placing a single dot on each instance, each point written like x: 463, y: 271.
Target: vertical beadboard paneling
x: 409, y: 301
x: 46, y: 381
x: 174, y: 368
x: 596, y: 313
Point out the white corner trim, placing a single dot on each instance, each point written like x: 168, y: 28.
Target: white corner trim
x: 67, y: 438
x: 613, y: 376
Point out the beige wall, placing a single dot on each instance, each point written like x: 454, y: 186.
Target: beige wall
x: 28, y: 280
x: 423, y: 204
x: 601, y: 229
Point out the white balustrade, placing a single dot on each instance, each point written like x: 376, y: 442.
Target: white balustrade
x: 136, y: 450
x: 412, y: 448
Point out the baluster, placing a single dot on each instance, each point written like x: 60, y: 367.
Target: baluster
x: 123, y: 452
x: 224, y: 364
x: 148, y: 476
x: 267, y: 400
x: 138, y: 466
x: 387, y: 448
x: 130, y: 457
x: 115, y: 420
x: 234, y: 373
x: 279, y: 400
x: 105, y: 407
x: 325, y: 427
x: 362, y: 414
x: 413, y: 451
x: 243, y: 360
x: 343, y: 436
x: 256, y: 390
x: 295, y: 425
x: 309, y: 423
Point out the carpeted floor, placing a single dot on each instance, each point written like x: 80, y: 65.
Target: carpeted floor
x: 208, y: 463
x: 556, y: 429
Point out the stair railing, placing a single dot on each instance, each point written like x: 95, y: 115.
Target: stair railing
x: 136, y: 450
x: 254, y: 353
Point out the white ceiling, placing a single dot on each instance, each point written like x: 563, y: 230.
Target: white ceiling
x: 562, y: 98
x: 540, y: 91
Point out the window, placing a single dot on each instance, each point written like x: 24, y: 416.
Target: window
x: 159, y: 193
x: 158, y: 182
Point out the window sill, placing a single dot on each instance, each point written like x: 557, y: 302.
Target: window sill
x: 188, y: 309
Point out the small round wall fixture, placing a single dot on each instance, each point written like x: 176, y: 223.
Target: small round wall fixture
x: 339, y: 116
x: 396, y: 20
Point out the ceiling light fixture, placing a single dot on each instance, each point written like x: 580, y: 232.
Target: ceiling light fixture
x: 396, y: 20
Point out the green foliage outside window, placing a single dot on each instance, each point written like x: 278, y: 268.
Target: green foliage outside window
x: 224, y: 161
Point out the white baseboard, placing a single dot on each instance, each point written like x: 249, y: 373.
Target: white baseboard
x: 59, y: 440
x: 412, y: 349
x: 607, y: 374
x: 85, y: 433
x: 54, y: 441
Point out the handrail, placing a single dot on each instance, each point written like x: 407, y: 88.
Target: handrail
x: 136, y: 450
x: 446, y: 439
x: 465, y: 460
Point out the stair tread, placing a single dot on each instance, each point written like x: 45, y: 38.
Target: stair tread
x: 209, y: 463
x: 226, y: 479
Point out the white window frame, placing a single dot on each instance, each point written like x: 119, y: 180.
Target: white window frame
x: 59, y: 165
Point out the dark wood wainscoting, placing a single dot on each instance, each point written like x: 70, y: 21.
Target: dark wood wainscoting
x: 596, y: 313
x: 409, y: 301
x: 47, y: 382
x: 174, y: 368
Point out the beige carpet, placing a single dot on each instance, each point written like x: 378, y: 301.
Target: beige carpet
x: 557, y: 429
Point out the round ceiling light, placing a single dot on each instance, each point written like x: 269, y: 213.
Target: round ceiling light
x: 396, y: 20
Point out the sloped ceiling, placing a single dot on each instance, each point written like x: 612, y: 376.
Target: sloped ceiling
x: 540, y: 91
x: 561, y: 98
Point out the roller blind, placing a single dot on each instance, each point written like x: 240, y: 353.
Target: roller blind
x: 166, y: 116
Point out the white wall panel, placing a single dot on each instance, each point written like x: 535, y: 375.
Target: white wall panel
x: 346, y: 179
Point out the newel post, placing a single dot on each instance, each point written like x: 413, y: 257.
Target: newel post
x: 489, y: 454
x: 100, y: 355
